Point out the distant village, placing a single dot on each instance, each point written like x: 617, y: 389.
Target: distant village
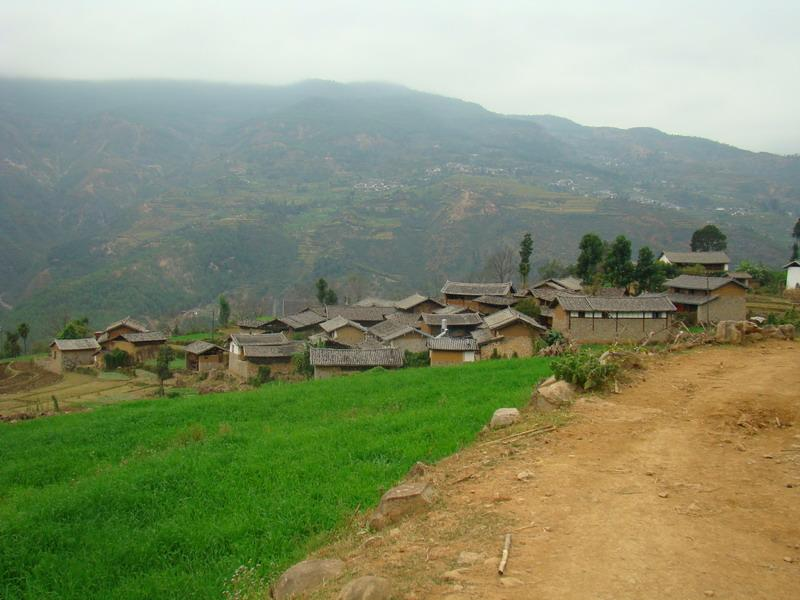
x: 467, y: 322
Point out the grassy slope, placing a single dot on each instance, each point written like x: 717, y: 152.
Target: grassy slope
x: 166, y: 498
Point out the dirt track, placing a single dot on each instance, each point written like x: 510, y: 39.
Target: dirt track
x: 685, y: 485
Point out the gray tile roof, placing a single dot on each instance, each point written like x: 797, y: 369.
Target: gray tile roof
x: 200, y: 347
x: 414, y: 300
x: 303, y: 319
x: 450, y: 309
x: 461, y: 344
x: 251, y: 323
x: 373, y: 301
x: 700, y: 282
x: 259, y: 339
x: 79, y: 344
x: 497, y: 300
x: 565, y: 283
x: 277, y: 351
x: 508, y: 316
x: 392, y: 329
x: 339, y: 322
x: 359, y: 314
x: 466, y: 319
x: 356, y: 357
x: 644, y: 303
x: 144, y: 337
x: 691, y: 299
x: 458, y: 288
x: 696, y: 258
x: 128, y: 322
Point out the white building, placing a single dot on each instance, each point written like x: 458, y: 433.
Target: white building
x: 792, y: 275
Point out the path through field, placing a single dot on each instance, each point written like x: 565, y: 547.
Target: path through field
x: 685, y: 485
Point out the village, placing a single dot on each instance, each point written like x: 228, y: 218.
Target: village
x: 467, y: 322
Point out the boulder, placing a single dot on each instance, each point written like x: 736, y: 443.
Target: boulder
x: 305, y: 576
x: 419, y: 470
x: 728, y: 333
x: 400, y: 501
x: 553, y: 396
x: 367, y: 588
x: 503, y: 417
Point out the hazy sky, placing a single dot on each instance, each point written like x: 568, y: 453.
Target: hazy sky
x: 727, y: 70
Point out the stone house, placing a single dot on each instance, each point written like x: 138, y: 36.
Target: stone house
x: 457, y: 325
x: 397, y: 334
x: 246, y: 352
x: 203, y: 356
x: 344, y: 331
x: 66, y: 355
x: 444, y: 351
x: 140, y: 346
x: 464, y: 294
x: 417, y: 303
x: 712, y: 262
x: 330, y: 362
x: 708, y: 299
x: 119, y: 328
x: 511, y: 333
x: 593, y: 319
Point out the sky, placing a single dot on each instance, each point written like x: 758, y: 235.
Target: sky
x: 729, y: 71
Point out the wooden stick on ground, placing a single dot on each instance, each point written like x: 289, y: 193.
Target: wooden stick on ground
x: 535, y: 431
x: 504, y: 559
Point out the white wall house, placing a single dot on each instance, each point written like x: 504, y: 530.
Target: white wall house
x: 793, y: 275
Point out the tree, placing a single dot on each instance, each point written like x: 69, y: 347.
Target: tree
x: 165, y: 356
x: 708, y: 239
x: 795, y: 251
x: 76, y: 329
x: 590, y: 257
x: 525, y: 251
x: 11, y: 345
x: 325, y: 295
x: 224, y: 310
x: 500, y: 264
x: 528, y: 306
x: 23, y: 330
x: 553, y: 269
x: 796, y: 231
x: 617, y: 265
x: 647, y: 273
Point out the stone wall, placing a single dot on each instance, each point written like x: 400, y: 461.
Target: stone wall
x: 606, y: 331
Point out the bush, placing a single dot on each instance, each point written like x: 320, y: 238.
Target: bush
x: 583, y: 369
x: 530, y: 307
x: 416, y: 359
x: 552, y: 337
x: 264, y: 375
x: 116, y: 359
x: 301, y: 363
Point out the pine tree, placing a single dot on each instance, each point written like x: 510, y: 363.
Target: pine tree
x: 224, y: 311
x: 525, y: 251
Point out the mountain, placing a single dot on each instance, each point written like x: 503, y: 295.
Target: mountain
x: 153, y: 197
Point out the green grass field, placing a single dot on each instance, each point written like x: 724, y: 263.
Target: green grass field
x: 191, y: 337
x: 24, y: 357
x: 166, y: 498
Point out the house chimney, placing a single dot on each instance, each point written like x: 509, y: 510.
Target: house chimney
x: 444, y: 328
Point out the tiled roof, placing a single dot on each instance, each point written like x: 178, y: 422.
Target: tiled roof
x: 414, y: 300
x: 497, y: 300
x: 259, y: 339
x: 392, y: 329
x: 700, y: 282
x: 277, y: 351
x: 251, y: 323
x: 458, y: 288
x: 339, y: 322
x: 645, y: 303
x: 565, y: 283
x: 739, y: 275
x: 144, y: 337
x: 696, y: 258
x: 359, y: 314
x: 356, y: 357
x: 301, y: 320
x: 458, y: 320
x: 793, y: 263
x: 128, y: 322
x: 691, y: 299
x: 461, y: 344
x: 200, y: 347
x: 373, y: 301
x: 450, y: 309
x: 80, y: 344
x: 508, y: 316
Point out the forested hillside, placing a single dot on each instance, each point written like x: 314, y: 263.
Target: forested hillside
x: 151, y: 198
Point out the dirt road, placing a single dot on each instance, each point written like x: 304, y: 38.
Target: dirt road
x: 685, y: 485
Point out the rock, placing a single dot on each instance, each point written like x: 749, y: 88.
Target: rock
x: 553, y: 396
x: 368, y: 587
x: 305, y: 576
x: 524, y: 475
x: 400, y: 501
x: 728, y: 333
x: 469, y: 558
x: 663, y: 494
x: 504, y: 417
x: 419, y: 469
x: 788, y: 559
x: 788, y: 331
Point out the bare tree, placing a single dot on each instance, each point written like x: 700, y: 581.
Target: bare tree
x: 500, y: 264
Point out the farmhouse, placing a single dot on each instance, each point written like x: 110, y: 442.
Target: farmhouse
x: 712, y: 262
x: 118, y: 328
x: 203, y: 356
x: 564, y: 284
x: 363, y: 315
x: 329, y: 362
x: 511, y: 334
x: 344, y: 331
x: 792, y: 275
x: 445, y: 350
x: 65, y: 355
x: 417, y: 303
x: 306, y: 321
x: 249, y: 351
x: 605, y: 320
x: 395, y: 333
x: 464, y: 294
x: 487, y: 305
x: 708, y: 299
x: 140, y: 346
x: 457, y: 325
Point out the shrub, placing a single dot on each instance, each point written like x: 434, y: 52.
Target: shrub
x: 301, y: 363
x: 552, y: 337
x: 264, y: 375
x: 583, y: 369
x: 417, y: 359
x: 528, y: 306
x: 116, y: 359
